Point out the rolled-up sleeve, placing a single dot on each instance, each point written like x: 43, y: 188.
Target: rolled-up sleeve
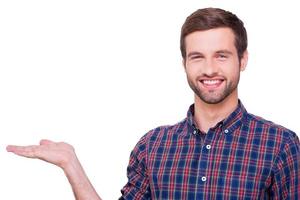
x: 287, y: 171
x: 137, y: 187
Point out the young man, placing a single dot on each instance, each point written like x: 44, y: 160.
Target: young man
x: 219, y: 151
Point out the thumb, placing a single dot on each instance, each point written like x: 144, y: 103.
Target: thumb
x: 46, y: 142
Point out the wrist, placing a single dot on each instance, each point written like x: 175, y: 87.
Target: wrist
x: 71, y: 167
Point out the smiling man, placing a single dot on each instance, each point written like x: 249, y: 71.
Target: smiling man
x: 213, y: 64
x: 219, y: 151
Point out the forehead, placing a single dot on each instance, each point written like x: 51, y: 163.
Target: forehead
x: 210, y: 40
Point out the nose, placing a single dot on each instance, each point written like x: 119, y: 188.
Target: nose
x: 210, y: 68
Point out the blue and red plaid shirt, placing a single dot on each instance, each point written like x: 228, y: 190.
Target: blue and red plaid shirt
x: 242, y: 157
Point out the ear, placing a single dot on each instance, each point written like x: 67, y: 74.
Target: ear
x: 244, y: 61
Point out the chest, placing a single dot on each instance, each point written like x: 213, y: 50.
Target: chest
x: 226, y: 165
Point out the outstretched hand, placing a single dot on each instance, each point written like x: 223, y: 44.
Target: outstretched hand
x: 62, y: 155
x: 57, y: 153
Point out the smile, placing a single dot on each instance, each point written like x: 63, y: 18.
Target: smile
x: 211, y: 83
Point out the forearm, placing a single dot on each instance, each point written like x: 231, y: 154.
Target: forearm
x: 81, y: 186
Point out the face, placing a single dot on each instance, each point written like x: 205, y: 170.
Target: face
x: 212, y: 65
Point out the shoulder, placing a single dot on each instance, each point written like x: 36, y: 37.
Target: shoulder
x: 270, y: 130
x: 163, y: 133
x: 258, y: 123
x: 156, y: 137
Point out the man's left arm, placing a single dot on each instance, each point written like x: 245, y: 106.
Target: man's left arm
x: 287, y: 171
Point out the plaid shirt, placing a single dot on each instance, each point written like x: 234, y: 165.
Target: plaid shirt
x: 242, y: 157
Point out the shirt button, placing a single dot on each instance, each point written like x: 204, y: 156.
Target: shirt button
x: 203, y: 178
x: 226, y: 131
x: 195, y: 132
x: 208, y: 146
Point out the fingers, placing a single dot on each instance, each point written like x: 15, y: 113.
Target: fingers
x: 12, y: 148
x: 25, y: 151
x: 32, y: 151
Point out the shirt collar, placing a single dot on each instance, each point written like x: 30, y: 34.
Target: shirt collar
x: 229, y: 124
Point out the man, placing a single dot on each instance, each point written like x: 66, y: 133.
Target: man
x: 219, y: 151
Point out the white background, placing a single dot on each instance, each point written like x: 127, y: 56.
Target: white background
x: 100, y: 74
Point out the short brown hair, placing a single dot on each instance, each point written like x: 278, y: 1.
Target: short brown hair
x: 209, y: 18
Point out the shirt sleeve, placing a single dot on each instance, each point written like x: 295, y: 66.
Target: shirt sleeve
x: 137, y: 187
x: 287, y: 172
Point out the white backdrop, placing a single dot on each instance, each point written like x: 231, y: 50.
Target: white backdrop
x: 100, y: 74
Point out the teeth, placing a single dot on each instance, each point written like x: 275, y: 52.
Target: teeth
x: 211, y: 82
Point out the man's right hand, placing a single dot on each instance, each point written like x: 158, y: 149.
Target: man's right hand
x: 57, y: 153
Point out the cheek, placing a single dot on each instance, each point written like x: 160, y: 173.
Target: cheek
x: 191, y: 73
x: 231, y: 69
x: 233, y: 74
x: 193, y: 68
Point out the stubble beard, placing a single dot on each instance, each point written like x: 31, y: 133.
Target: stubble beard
x: 213, y: 96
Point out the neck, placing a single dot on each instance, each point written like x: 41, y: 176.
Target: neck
x: 208, y: 115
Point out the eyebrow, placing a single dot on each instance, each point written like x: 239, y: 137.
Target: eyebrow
x: 193, y: 53
x: 225, y: 51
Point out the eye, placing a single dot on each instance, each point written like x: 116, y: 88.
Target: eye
x: 222, y: 56
x: 196, y: 57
